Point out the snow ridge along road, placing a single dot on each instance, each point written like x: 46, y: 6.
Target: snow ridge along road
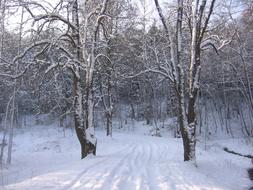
x: 131, y: 162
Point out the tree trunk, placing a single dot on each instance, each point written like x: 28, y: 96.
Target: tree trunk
x: 187, y: 121
x: 81, y: 130
x: 109, y: 124
x: 83, y: 115
x: 188, y: 144
x: 78, y: 117
x: 109, y: 106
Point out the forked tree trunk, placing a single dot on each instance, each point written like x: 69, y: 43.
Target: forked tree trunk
x: 178, y: 79
x: 82, y: 113
x: 89, y: 141
x: 187, y: 128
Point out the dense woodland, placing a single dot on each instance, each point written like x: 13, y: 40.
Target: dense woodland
x: 104, y: 63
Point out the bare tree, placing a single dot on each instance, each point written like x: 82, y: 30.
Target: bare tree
x: 199, y: 18
x: 82, y: 35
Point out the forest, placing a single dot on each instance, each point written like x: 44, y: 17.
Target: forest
x: 126, y: 94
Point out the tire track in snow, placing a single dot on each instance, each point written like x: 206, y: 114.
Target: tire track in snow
x: 120, y: 151
x: 128, y: 177
x: 79, y: 176
x: 158, y: 155
x: 140, y: 166
x: 106, y: 183
x: 151, y: 168
x: 121, y: 170
x: 87, y: 169
x: 146, y: 166
x: 142, y: 159
x: 171, y: 173
x: 122, y: 176
x: 175, y: 180
x: 137, y: 166
x: 139, y: 169
x: 104, y: 179
x: 143, y: 181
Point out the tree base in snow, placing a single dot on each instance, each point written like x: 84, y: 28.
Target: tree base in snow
x: 88, y: 148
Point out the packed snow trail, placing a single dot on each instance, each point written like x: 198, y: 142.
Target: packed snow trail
x: 131, y: 162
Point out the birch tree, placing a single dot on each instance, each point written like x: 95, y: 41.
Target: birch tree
x: 201, y: 12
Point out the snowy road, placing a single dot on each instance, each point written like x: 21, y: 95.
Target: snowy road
x: 133, y: 167
x: 130, y: 162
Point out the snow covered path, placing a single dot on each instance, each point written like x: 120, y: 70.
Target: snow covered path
x: 126, y: 162
x: 133, y: 167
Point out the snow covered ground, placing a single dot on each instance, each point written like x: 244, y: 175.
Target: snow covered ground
x: 43, y: 159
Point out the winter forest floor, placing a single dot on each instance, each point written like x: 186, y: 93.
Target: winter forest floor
x: 45, y: 158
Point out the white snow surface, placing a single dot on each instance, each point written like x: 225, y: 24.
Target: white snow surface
x: 43, y: 159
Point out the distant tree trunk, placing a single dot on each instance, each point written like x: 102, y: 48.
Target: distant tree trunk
x: 132, y: 111
x: 14, y: 111
x: 109, y: 109
x: 5, y: 131
x: 11, y: 128
x: 109, y: 124
x: 107, y: 95
x: 2, y: 25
